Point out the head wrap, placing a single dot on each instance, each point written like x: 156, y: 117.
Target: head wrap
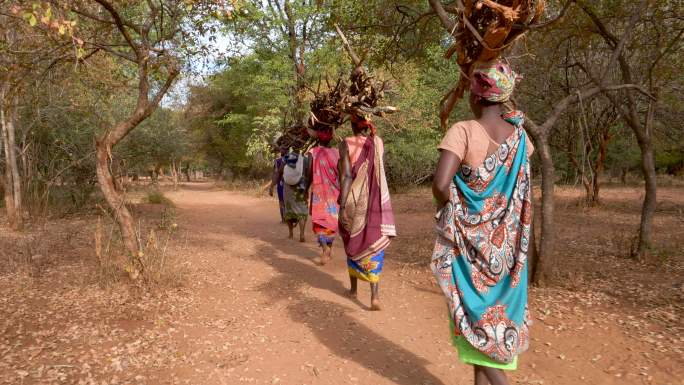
x: 324, y: 134
x: 364, y: 123
x: 493, y: 81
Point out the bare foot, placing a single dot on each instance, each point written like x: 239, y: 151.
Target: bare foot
x: 352, y: 294
x: 321, y: 261
x: 375, y: 305
x: 302, y: 239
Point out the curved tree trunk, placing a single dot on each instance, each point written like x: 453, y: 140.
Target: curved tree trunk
x: 115, y: 199
x: 650, y: 184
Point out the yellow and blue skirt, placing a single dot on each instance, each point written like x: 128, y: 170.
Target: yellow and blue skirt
x: 367, y: 269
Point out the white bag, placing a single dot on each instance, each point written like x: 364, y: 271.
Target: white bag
x: 292, y: 175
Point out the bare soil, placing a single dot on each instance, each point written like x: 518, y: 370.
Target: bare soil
x: 253, y: 308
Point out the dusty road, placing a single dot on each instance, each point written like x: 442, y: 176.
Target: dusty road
x: 262, y: 312
x: 245, y: 305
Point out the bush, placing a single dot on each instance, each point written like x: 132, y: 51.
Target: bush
x: 411, y: 157
x: 157, y: 197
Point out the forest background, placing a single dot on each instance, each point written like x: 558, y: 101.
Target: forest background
x: 103, y: 94
x: 106, y: 106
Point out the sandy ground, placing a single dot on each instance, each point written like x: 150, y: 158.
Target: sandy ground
x: 256, y: 310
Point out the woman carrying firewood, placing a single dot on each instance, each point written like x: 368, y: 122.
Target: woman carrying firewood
x: 366, y: 218
x: 293, y: 172
x: 325, y: 190
x: 277, y: 182
x: 482, y: 186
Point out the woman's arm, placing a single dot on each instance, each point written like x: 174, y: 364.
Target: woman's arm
x: 275, y: 178
x: 308, y: 170
x: 344, y: 171
x: 309, y: 167
x: 446, y: 169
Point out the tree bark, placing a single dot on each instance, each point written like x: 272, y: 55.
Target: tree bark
x: 187, y: 173
x: 13, y: 193
x: 297, y: 55
x: 539, y: 133
x: 650, y: 184
x: 174, y: 174
x: 115, y: 199
x: 104, y: 146
x: 630, y: 114
x: 542, y: 271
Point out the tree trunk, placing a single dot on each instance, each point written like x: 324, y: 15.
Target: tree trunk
x: 174, y: 174
x: 187, y: 173
x: 542, y: 268
x: 13, y: 200
x: 533, y: 253
x: 114, y: 198
x: 650, y: 184
x: 296, y: 48
x: 599, y: 166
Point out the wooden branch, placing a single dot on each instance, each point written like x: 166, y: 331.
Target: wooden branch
x: 121, y: 26
x: 667, y: 49
x: 617, y: 52
x: 144, y: 107
x: 279, y: 13
x: 348, y: 47
x: 111, y: 51
x: 562, y: 105
x: 547, y: 23
x: 443, y: 16
x: 610, y: 38
x: 507, y: 12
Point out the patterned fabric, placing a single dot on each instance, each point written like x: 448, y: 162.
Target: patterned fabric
x: 480, y: 256
x: 368, y: 209
x: 296, y: 203
x: 279, y: 187
x: 493, y: 81
x: 367, y: 268
x: 296, y: 197
x: 325, y: 190
x: 325, y: 235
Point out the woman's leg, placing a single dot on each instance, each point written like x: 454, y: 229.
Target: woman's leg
x: 290, y: 228
x: 325, y: 257
x: 354, y: 283
x: 302, y: 228
x: 495, y: 376
x: 375, y: 296
x: 480, y: 376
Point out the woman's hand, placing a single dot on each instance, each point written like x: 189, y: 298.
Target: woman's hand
x: 446, y: 169
x: 343, y: 219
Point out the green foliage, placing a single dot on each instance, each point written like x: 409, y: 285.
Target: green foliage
x: 411, y: 157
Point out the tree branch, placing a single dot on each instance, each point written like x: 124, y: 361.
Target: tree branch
x: 443, y: 16
x: 562, y: 105
x: 121, y: 26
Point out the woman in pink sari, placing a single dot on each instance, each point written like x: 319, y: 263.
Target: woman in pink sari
x: 366, y: 218
x: 325, y: 191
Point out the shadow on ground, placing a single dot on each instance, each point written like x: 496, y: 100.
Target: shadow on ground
x: 331, y: 324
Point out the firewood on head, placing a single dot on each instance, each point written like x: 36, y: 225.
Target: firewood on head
x: 483, y: 30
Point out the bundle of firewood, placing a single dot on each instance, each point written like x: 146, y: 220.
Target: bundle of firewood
x: 294, y: 137
x: 364, y: 92
x: 327, y: 108
x: 483, y: 30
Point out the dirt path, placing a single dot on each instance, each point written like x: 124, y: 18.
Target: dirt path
x: 262, y: 313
